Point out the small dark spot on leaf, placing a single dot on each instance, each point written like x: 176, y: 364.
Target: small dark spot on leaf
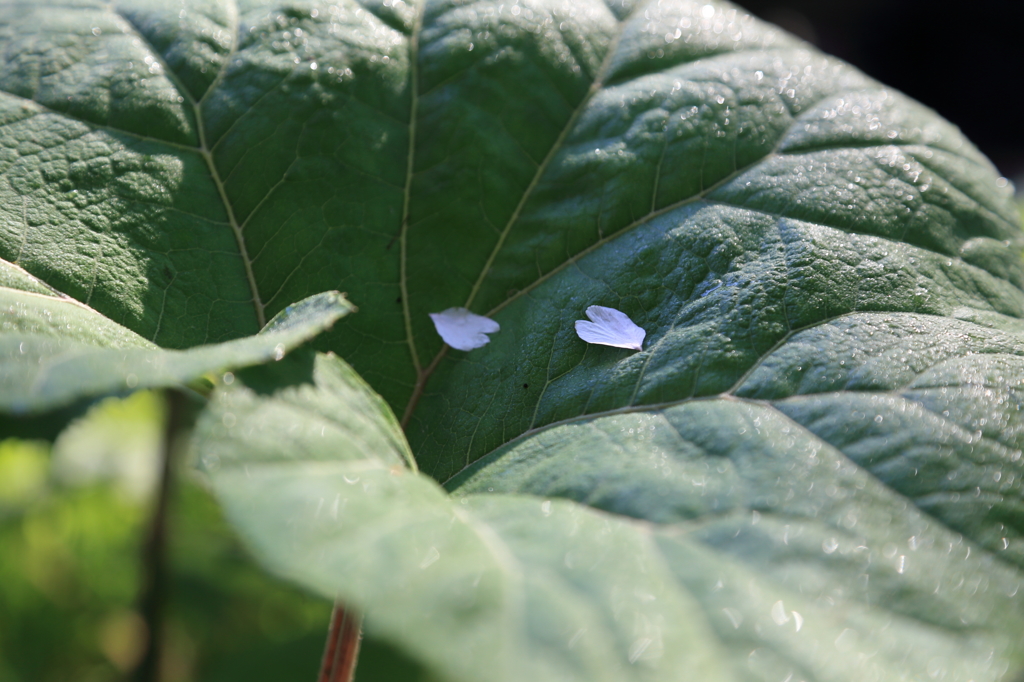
x: 168, y: 273
x: 398, y: 300
x: 526, y: 385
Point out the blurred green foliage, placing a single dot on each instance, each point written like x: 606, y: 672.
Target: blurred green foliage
x: 72, y: 518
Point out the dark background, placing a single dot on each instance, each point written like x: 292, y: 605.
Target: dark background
x: 964, y: 59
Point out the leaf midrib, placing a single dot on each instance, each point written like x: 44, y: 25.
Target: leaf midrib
x: 204, y: 149
x: 596, y: 85
x: 403, y: 239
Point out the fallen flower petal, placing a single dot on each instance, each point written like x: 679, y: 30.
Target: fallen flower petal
x: 462, y: 329
x: 610, y: 327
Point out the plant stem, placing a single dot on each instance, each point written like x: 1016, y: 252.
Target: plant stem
x: 153, y: 592
x: 342, y: 648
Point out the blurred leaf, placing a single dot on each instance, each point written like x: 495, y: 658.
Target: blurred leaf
x: 46, y: 368
x: 68, y: 566
x: 23, y: 470
x: 70, y: 543
x: 69, y: 558
x: 228, y: 620
x: 117, y: 441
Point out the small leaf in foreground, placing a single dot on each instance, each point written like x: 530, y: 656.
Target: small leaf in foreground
x: 610, y: 327
x: 47, y: 366
x: 463, y: 330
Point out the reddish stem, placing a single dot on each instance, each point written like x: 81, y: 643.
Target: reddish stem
x: 421, y: 382
x: 342, y: 648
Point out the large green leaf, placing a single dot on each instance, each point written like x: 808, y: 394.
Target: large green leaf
x: 718, y: 180
x: 771, y: 555
x: 826, y: 271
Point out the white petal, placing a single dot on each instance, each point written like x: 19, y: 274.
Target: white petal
x: 610, y: 327
x: 462, y: 329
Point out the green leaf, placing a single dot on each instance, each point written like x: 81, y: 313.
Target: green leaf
x: 820, y: 264
x: 771, y: 553
x: 769, y: 503
x: 502, y: 588
x: 70, y: 539
x: 716, y: 179
x: 54, y: 350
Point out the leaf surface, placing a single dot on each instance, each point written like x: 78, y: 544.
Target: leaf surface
x: 770, y: 553
x: 483, y: 587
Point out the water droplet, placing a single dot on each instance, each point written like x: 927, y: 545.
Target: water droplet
x: 637, y: 649
x: 779, y: 614
x: 734, y: 616
x: 846, y: 640
x: 432, y: 556
x: 576, y: 637
x: 935, y: 668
